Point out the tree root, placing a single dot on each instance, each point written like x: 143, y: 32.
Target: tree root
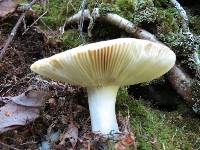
x: 181, y: 82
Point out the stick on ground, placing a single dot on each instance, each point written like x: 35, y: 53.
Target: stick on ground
x: 14, y: 30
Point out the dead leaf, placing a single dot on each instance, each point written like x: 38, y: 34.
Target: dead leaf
x: 52, y: 102
x: 129, y: 139
x: 32, y: 98
x: 71, y: 133
x: 119, y: 146
x: 21, y: 110
x: 126, y: 140
x: 6, y: 7
x: 13, y: 115
x: 154, y: 141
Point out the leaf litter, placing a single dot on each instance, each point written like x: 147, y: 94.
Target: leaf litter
x: 6, y: 7
x: 22, y: 109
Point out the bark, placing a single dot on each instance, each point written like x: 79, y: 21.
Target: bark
x: 181, y: 82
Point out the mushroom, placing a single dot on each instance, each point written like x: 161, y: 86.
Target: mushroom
x: 103, y: 67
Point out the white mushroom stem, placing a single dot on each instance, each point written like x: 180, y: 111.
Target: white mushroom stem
x: 102, y: 109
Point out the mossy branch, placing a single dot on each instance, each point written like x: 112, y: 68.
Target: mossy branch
x: 116, y: 20
x: 176, y: 75
x: 182, y: 13
x: 186, y: 30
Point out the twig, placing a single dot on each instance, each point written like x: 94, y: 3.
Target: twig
x: 11, y: 36
x: 29, y: 143
x: 90, y: 26
x: 46, y: 25
x: 14, y: 30
x: 34, y: 22
x: 62, y: 28
x: 26, y: 7
x: 81, y: 21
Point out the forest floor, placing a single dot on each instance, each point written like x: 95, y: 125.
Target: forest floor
x: 149, y: 126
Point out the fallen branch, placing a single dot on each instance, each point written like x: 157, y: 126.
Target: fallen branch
x: 14, y: 30
x: 181, y: 83
x: 176, y: 75
x: 116, y: 20
x: 11, y: 36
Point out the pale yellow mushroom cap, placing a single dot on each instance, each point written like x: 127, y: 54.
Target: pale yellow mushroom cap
x: 123, y: 61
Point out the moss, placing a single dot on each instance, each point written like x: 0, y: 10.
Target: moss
x: 125, y: 5
x: 161, y: 3
x: 57, y: 11
x: 169, y: 24
x: 168, y: 21
x: 155, y: 129
x: 105, y: 8
x: 169, y: 31
x: 194, y: 24
x: 36, y: 7
x: 122, y: 94
x: 71, y: 38
x: 145, y: 12
x: 195, y: 86
x: 197, y: 39
x: 133, y: 10
x: 126, y: 8
x: 184, y: 51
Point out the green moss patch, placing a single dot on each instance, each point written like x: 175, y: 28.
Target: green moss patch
x: 155, y: 129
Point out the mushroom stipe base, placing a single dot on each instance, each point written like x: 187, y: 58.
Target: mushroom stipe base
x: 102, y: 109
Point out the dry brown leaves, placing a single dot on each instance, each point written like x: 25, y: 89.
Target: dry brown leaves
x: 126, y: 140
x: 6, y: 7
x: 70, y: 133
x: 21, y: 109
